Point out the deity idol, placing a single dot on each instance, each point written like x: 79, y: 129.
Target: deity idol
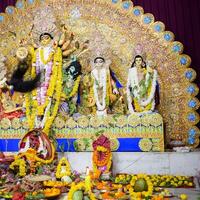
x: 104, y: 88
x: 46, y: 61
x: 141, y: 86
x: 71, y: 81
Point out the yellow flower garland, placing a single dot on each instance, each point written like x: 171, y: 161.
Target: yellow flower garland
x: 147, y: 193
x: 75, y: 88
x: 58, y: 169
x: 22, y: 166
x: 55, y: 87
x: 30, y: 114
x: 31, y: 155
x: 79, y: 186
x: 108, y: 165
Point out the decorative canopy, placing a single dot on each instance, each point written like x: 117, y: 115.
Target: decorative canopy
x: 125, y: 27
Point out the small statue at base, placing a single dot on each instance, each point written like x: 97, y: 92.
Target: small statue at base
x: 102, y: 157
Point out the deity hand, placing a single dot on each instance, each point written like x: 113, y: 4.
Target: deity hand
x: 22, y: 53
x: 149, y: 69
x: 121, y: 98
x: 55, y: 45
x: 115, y: 91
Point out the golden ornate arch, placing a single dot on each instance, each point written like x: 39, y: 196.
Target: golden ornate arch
x: 124, y: 26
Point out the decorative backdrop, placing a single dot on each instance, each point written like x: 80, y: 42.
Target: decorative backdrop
x: 180, y: 16
x: 177, y: 93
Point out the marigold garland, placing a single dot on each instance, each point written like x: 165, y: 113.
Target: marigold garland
x: 147, y: 193
x: 67, y: 172
x: 21, y: 164
x: 79, y: 186
x: 101, y: 163
x: 107, y: 161
x: 31, y: 155
x: 75, y: 88
x: 54, y: 91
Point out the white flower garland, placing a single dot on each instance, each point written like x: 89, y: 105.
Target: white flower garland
x: 100, y: 81
x: 41, y: 93
x: 40, y: 66
x: 134, y: 83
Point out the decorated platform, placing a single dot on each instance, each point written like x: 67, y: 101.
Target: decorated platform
x: 128, y: 133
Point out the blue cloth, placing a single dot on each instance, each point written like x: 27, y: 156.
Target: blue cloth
x: 118, y: 84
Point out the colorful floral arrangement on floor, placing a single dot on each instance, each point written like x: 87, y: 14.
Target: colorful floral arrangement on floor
x: 141, y: 186
x: 169, y: 181
x: 63, y: 168
x: 102, y: 156
x: 51, y: 180
x: 29, y: 177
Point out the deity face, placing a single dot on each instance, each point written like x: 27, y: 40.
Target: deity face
x: 99, y: 62
x: 45, y: 39
x: 138, y: 61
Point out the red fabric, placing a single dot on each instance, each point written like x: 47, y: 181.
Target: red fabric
x: 11, y: 115
x: 101, y: 141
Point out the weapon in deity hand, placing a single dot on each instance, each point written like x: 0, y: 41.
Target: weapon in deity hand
x: 17, y: 83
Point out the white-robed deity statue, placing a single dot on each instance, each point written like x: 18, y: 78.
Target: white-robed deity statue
x: 104, y: 87
x: 141, y: 87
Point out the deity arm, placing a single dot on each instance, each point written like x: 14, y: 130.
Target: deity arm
x: 114, y: 89
x: 115, y: 83
x: 128, y: 93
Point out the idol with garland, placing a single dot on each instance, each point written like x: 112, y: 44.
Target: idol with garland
x: 71, y: 82
x: 47, y: 52
x: 48, y: 56
x: 142, y: 87
x: 46, y: 60
x: 104, y: 88
x: 102, y: 85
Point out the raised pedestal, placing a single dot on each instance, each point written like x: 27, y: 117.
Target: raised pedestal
x: 133, y: 133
